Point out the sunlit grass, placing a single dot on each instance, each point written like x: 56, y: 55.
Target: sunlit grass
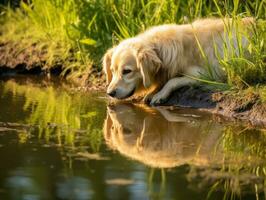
x: 76, y: 33
x: 244, y: 66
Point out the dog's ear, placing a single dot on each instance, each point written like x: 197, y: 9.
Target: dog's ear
x: 108, y: 129
x: 149, y: 64
x: 107, y: 64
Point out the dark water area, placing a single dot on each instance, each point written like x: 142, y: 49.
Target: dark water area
x: 59, y: 143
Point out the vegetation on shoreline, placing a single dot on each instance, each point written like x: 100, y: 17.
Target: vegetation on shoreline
x: 75, y: 34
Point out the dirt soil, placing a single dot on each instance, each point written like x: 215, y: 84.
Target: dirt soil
x: 17, y: 60
x: 230, y: 105
x: 233, y: 106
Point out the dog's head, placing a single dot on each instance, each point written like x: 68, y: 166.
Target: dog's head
x: 128, y: 67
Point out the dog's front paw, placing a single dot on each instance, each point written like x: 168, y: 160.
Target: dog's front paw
x: 147, y: 99
x: 159, y: 98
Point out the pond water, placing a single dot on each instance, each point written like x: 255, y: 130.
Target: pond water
x: 57, y: 143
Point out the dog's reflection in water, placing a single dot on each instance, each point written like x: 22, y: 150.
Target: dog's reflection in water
x: 159, y: 137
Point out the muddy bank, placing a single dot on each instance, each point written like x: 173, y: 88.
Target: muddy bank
x: 235, y: 106
x: 247, y: 107
x: 32, y: 60
x: 29, y: 60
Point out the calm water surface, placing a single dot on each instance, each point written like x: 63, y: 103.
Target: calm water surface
x: 56, y: 143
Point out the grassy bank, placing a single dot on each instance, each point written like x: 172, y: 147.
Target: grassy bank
x: 75, y: 34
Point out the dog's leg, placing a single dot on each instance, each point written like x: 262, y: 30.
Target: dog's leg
x: 169, y: 87
x: 172, y: 117
x: 176, y: 83
x: 148, y: 97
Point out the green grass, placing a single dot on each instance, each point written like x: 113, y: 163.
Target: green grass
x: 76, y: 33
x: 246, y: 66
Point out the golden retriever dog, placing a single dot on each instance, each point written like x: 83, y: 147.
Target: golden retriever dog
x: 162, y: 138
x: 167, y: 57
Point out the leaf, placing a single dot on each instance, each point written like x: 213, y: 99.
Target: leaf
x: 88, y: 41
x: 25, y: 7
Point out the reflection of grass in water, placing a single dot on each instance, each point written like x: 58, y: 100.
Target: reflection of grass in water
x: 248, y: 142
x: 159, y: 194
x: 244, y: 163
x: 241, y: 169
x: 66, y: 118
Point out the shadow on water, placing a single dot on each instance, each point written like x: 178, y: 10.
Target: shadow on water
x: 56, y: 143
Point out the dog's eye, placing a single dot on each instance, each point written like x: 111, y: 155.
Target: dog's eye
x: 127, y: 131
x: 126, y: 71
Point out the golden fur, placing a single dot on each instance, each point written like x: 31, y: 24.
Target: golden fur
x: 165, y: 57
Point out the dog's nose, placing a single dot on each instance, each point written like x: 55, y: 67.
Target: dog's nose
x: 112, y: 93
